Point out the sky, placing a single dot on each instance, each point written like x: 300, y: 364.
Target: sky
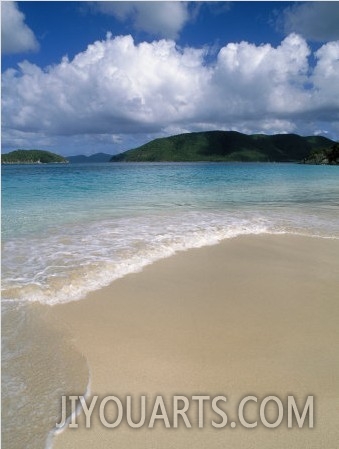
x: 89, y: 77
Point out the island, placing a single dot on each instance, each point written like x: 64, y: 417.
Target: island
x: 226, y: 146
x: 208, y: 146
x: 93, y: 158
x: 32, y: 157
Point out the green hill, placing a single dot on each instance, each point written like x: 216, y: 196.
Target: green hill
x: 32, y: 157
x: 220, y: 146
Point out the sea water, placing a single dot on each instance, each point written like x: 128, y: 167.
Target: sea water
x: 70, y: 229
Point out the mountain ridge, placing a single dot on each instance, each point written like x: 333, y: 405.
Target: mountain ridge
x: 82, y: 159
x: 227, y: 146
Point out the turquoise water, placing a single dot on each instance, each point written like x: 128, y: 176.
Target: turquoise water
x: 70, y: 229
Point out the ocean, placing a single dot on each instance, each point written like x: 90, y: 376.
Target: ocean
x: 71, y: 229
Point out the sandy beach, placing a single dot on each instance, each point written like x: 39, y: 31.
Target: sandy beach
x: 254, y: 315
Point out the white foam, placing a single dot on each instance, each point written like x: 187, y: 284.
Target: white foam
x: 69, y: 263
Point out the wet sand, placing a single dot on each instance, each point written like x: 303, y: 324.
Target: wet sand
x: 255, y: 315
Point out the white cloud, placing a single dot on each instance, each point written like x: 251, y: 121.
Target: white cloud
x: 118, y: 88
x: 161, y: 18
x: 326, y: 81
x: 114, y: 86
x: 260, y: 80
x: 317, y: 21
x: 16, y: 36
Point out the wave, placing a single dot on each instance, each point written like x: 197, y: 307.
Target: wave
x: 70, y: 262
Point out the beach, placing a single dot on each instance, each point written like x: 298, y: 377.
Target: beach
x: 170, y: 225
x: 252, y: 315
x: 169, y: 280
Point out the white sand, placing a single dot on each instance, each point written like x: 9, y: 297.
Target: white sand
x: 254, y: 315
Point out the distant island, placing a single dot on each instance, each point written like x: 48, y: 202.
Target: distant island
x: 46, y: 157
x: 82, y: 159
x: 32, y: 157
x: 227, y: 146
x: 208, y: 146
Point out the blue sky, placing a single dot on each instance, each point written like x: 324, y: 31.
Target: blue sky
x: 86, y: 77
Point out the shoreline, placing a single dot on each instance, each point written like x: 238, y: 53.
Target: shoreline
x: 252, y: 314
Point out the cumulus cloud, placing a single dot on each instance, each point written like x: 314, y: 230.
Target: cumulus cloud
x: 118, y: 88
x: 325, y: 78
x: 114, y: 86
x: 164, y: 19
x: 264, y: 80
x: 16, y: 36
x: 317, y: 21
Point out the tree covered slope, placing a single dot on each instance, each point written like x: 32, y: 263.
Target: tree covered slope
x: 226, y: 146
x: 31, y: 157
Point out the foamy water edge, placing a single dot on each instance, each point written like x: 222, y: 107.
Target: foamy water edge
x: 105, y: 276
